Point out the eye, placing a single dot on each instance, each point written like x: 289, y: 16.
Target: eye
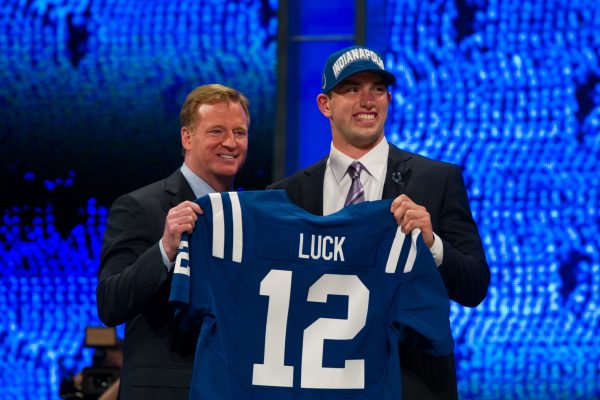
x: 240, y: 133
x: 350, y: 89
x: 215, y: 132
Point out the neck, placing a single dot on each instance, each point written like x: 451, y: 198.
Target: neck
x: 218, y: 183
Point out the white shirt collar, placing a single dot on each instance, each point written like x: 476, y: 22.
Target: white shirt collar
x: 373, y: 162
x: 199, y: 186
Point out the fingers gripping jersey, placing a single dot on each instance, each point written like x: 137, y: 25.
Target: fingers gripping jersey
x: 298, y: 306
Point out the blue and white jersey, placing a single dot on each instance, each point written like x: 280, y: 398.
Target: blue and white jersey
x: 297, y: 306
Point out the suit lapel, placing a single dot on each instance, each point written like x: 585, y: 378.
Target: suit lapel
x: 398, y: 173
x: 178, y: 189
x: 312, y: 188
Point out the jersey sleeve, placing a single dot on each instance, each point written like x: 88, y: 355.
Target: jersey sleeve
x: 180, y: 287
x: 421, y: 309
x: 190, y: 287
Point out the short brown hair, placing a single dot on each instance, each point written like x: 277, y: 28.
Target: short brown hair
x: 209, y: 94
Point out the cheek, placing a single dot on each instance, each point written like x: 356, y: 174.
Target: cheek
x: 209, y: 144
x: 340, y: 112
x: 384, y: 107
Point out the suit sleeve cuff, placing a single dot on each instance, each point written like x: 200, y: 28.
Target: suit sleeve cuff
x: 168, y: 264
x: 437, y: 250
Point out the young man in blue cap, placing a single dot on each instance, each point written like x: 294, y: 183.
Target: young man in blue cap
x: 428, y: 195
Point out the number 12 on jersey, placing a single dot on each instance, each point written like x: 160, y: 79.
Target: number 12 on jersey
x: 277, y: 286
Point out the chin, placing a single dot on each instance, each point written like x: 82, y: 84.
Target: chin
x: 367, y: 140
x: 228, y: 172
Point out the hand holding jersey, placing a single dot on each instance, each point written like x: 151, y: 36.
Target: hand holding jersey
x: 181, y: 218
x: 410, y: 215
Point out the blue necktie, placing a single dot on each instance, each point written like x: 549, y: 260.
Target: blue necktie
x: 356, y: 194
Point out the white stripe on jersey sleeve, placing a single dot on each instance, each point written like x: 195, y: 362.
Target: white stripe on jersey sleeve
x: 183, y: 257
x: 412, y: 254
x: 238, y: 232
x: 218, y: 239
x: 394, y: 255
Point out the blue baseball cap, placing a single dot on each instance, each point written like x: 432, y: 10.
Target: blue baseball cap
x: 352, y: 60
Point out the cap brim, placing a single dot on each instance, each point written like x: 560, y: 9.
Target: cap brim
x: 388, y: 77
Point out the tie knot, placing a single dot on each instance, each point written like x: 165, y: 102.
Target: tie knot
x: 354, y: 170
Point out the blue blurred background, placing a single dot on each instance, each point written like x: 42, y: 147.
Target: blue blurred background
x: 89, y: 97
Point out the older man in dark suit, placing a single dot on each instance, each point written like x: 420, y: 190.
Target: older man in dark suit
x: 429, y: 195
x: 143, y: 231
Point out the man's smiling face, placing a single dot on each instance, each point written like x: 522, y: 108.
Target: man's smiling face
x: 357, y: 109
x: 217, y: 144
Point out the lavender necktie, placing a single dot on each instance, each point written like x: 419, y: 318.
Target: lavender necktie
x: 356, y: 194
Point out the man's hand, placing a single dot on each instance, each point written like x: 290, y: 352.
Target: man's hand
x: 180, y: 218
x: 410, y: 215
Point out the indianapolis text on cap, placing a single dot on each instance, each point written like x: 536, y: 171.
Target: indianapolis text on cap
x: 355, y: 55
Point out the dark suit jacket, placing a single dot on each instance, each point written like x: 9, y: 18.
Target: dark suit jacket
x: 440, y: 188
x: 134, y: 287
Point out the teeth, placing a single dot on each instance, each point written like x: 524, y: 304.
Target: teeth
x: 365, y: 116
x: 228, y: 156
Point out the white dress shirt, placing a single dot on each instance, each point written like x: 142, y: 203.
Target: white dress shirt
x: 337, y: 181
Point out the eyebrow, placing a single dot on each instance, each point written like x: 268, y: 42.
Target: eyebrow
x: 219, y: 126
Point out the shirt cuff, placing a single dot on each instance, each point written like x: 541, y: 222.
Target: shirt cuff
x: 165, y: 259
x: 437, y: 250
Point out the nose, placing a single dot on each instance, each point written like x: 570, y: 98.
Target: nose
x: 367, y: 98
x: 229, y: 141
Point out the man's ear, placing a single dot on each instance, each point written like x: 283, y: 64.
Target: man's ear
x: 323, y: 104
x: 186, y: 138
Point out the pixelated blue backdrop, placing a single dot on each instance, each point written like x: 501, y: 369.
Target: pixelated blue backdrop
x: 89, y: 95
